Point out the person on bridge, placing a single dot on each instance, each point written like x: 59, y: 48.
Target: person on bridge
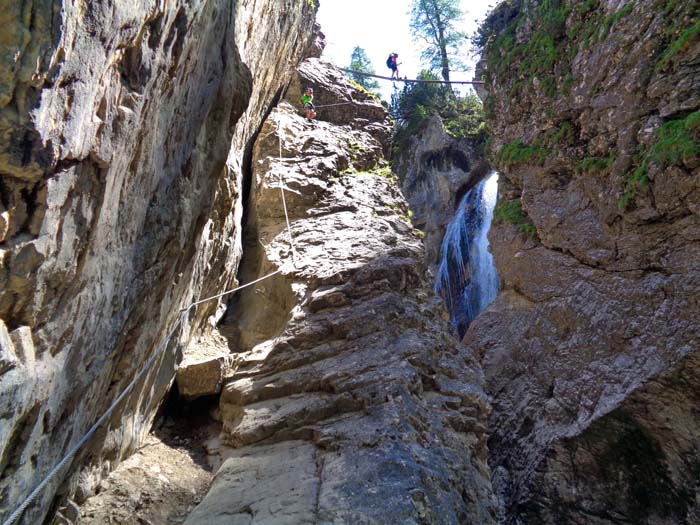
x: 306, y: 100
x: 393, y: 64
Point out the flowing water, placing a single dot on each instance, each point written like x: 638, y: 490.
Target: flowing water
x: 466, y: 277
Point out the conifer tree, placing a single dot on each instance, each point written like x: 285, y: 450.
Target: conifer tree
x: 359, y: 61
x: 434, y: 21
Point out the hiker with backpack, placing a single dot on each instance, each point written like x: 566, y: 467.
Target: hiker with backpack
x: 306, y: 100
x: 393, y: 64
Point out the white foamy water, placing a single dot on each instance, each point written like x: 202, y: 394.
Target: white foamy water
x: 466, y: 276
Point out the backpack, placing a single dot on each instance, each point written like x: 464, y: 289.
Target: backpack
x: 390, y: 62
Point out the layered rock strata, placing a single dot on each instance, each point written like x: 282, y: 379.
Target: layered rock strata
x: 591, y: 351
x: 353, y: 402
x: 125, y: 126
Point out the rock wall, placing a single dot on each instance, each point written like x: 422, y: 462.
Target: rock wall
x: 125, y: 129
x: 351, y: 400
x: 591, y: 352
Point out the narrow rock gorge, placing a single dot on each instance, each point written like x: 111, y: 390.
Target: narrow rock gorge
x: 590, y: 351
x: 154, y: 156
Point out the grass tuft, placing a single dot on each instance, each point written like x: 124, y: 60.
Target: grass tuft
x: 513, y: 213
x: 519, y: 153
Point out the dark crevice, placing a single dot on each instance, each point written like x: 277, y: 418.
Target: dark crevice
x: 155, y: 30
x: 4, y: 193
x: 178, y: 32
x: 26, y: 148
x: 446, y: 160
x: 179, y: 418
x: 247, y: 163
x: 30, y: 198
x: 21, y: 432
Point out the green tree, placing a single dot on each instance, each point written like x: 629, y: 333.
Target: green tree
x: 359, y: 61
x: 411, y: 108
x: 434, y: 21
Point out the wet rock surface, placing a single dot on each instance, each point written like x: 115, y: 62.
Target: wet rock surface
x: 124, y: 128
x: 353, y: 402
x: 590, y: 352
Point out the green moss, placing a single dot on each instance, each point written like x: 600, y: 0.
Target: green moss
x: 611, y: 20
x: 636, y: 180
x: 513, y: 213
x: 565, y: 134
x: 519, y: 153
x: 543, y: 55
x: 379, y: 170
x: 540, y: 54
x: 584, y: 7
x: 677, y: 140
x: 585, y: 26
x: 670, y: 7
x: 568, y: 83
x: 558, y: 30
x: 692, y: 122
x: 674, y: 143
x: 549, y: 86
x: 362, y: 88
x: 682, y: 43
x: 591, y: 165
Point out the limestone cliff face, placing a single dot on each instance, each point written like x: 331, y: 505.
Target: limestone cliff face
x: 125, y: 127
x: 591, y: 352
x: 351, y: 400
x: 436, y: 171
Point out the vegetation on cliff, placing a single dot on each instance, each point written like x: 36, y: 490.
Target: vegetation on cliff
x: 676, y: 143
x: 594, y: 114
x: 529, y: 50
x: 541, y: 59
x: 512, y: 212
x: 411, y: 108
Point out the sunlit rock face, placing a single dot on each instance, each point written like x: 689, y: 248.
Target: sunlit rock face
x: 353, y: 401
x: 590, y: 352
x: 124, y: 129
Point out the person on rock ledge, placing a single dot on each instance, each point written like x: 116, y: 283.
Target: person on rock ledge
x: 306, y: 100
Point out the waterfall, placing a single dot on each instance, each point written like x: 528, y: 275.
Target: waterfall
x: 466, y: 277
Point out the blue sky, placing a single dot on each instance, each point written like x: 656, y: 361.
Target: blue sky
x: 382, y: 26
